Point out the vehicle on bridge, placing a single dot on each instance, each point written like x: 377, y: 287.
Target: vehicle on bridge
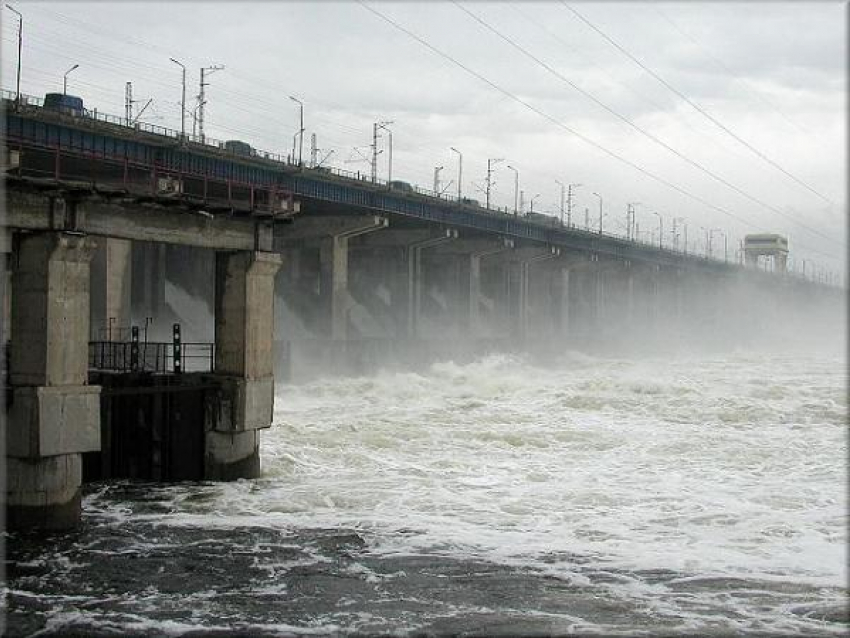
x: 70, y: 104
x: 398, y: 185
x: 238, y: 147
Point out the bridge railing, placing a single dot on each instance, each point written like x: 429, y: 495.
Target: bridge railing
x: 359, y: 177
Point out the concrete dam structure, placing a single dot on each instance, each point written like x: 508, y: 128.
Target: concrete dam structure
x: 157, y: 285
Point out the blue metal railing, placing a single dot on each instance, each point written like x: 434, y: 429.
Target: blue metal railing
x: 346, y: 187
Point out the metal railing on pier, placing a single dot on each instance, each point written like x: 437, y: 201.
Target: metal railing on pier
x: 153, y: 357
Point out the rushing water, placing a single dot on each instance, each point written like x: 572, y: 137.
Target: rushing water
x: 685, y: 495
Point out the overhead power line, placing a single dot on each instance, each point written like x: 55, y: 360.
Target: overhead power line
x: 637, y: 128
x: 558, y: 123
x: 719, y: 64
x: 696, y: 106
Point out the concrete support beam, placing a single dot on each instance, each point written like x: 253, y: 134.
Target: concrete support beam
x: 307, y: 228
x: 127, y: 218
x: 54, y: 415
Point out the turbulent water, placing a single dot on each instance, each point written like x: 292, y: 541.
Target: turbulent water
x: 686, y: 495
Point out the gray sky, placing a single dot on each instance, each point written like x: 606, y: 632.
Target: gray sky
x: 773, y: 74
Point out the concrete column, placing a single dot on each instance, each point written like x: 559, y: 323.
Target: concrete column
x: 244, y: 333
x: 333, y: 285
x: 561, y: 300
x: 148, y: 277
x: 416, y: 277
x: 53, y: 416
x: 111, y: 278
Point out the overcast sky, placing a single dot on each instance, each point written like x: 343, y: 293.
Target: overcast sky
x: 773, y: 75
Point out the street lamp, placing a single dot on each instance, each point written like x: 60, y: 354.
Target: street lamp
x: 516, y: 187
x: 600, y: 211
x: 660, y: 229
x: 195, y: 117
x: 459, y: 171
x: 182, y: 100
x: 65, y: 79
x: 301, y: 127
x: 20, y: 45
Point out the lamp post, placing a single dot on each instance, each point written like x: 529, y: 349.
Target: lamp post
x: 531, y: 203
x: 300, y: 128
x: 516, y: 187
x: 182, y: 99
x: 459, y: 171
x: 600, y: 211
x: 631, y: 223
x: 570, y: 188
x: 196, y: 117
x: 20, y: 46
x: 660, y: 229
x: 65, y: 79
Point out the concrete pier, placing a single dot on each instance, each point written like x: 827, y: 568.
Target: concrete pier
x: 54, y: 415
x: 244, y: 332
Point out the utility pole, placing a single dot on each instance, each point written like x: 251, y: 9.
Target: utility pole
x: 313, y: 150
x: 375, y: 127
x: 586, y: 218
x: 600, y: 211
x: 182, y: 101
x: 531, y: 204
x: 437, y: 170
x: 300, y: 128
x: 631, y: 220
x: 660, y: 229
x: 459, y: 171
x: 675, y: 234
x: 490, y: 164
x: 516, y: 187
x: 563, y: 190
x: 570, y: 203
x: 128, y: 102
x: 20, y: 47
x: 201, y: 100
